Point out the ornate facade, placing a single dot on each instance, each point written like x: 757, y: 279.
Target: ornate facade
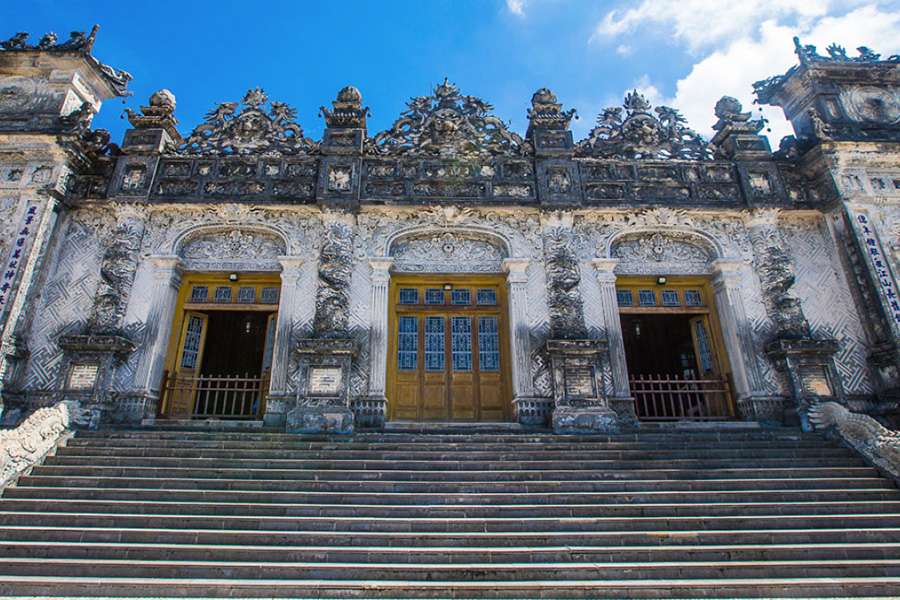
x: 448, y: 268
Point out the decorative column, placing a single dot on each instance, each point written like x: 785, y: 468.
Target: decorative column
x: 163, y: 298
x: 580, y: 402
x: 376, y: 405
x: 323, y: 382
x: 751, y: 398
x: 288, y: 303
x: 621, y: 400
x: 529, y: 410
x: 807, y: 363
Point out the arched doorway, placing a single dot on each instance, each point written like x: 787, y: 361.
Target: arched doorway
x: 448, y: 330
x: 673, y: 344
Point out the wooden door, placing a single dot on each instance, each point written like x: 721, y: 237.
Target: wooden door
x: 187, y: 367
x: 448, y: 357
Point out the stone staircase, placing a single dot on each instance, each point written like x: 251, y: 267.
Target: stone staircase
x: 703, y: 513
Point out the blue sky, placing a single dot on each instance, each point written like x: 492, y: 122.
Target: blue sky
x: 686, y: 53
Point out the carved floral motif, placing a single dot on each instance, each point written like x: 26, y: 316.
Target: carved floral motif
x: 682, y: 251
x: 449, y: 125
x: 563, y: 277
x: 641, y: 134
x: 233, y: 244
x: 253, y: 130
x: 117, y: 270
x: 448, y: 252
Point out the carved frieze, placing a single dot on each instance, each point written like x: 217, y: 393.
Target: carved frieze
x: 117, y: 271
x: 233, y: 244
x: 336, y: 261
x: 563, y: 277
x: 658, y: 252
x: 448, y: 252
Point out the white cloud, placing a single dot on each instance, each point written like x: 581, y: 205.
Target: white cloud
x: 732, y: 69
x: 743, y: 42
x: 624, y: 50
x: 516, y: 7
x: 704, y: 23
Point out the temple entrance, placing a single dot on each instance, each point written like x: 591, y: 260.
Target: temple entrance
x: 448, y: 358
x: 673, y: 348
x: 220, y: 356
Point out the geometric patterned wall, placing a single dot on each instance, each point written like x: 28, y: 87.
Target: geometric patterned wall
x: 826, y: 299
x: 66, y: 299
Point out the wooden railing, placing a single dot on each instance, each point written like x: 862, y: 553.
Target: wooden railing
x: 209, y: 397
x: 671, y: 398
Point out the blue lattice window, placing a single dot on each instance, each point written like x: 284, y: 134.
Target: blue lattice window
x: 408, y: 343
x: 693, y: 298
x: 461, y: 343
x: 409, y: 296
x: 625, y: 297
x: 486, y: 297
x: 223, y: 294
x: 434, y: 344
x: 199, y: 293
x: 670, y: 298
x: 461, y: 297
x: 488, y: 344
x: 191, y: 351
x: 247, y: 295
x: 434, y: 296
x: 269, y: 295
x: 647, y: 297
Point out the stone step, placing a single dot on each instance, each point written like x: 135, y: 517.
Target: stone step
x: 716, y: 587
x: 455, y: 487
x: 456, y: 475
x: 556, y: 443
x: 443, y: 515
x: 389, y: 556
x: 712, y: 462
x: 737, y: 538
x: 453, y: 499
x: 459, y: 455
x: 475, y: 571
x: 388, y: 437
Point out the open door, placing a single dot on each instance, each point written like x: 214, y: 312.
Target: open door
x: 265, y: 372
x: 187, y: 368
x: 708, y: 366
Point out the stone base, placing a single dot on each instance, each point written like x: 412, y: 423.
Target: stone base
x: 765, y: 409
x: 323, y: 419
x: 625, y: 411
x: 533, y: 412
x: 369, y: 411
x: 567, y: 420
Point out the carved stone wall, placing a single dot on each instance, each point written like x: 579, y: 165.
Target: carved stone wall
x: 67, y: 298
x: 826, y: 298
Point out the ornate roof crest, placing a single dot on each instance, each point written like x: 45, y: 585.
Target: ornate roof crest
x: 347, y: 111
x: 448, y: 124
x: 78, y: 42
x: 807, y: 53
x: 253, y: 130
x: 547, y: 113
x: 642, y: 134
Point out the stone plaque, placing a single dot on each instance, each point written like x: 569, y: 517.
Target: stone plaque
x: 325, y: 381
x: 815, y: 381
x: 580, y: 382
x: 83, y: 377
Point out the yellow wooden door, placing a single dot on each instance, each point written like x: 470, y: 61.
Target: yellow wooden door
x: 491, y: 396
x: 408, y: 376
x: 463, y: 374
x: 188, y: 363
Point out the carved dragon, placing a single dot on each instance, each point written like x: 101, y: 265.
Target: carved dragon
x: 869, y: 437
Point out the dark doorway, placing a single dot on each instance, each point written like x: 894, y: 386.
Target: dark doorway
x: 235, y: 343
x: 673, y: 369
x: 659, y: 345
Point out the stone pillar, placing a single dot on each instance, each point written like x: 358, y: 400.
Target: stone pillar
x: 528, y: 409
x: 163, y: 298
x: 378, y: 340
x: 751, y: 398
x: 621, y: 400
x: 288, y: 304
